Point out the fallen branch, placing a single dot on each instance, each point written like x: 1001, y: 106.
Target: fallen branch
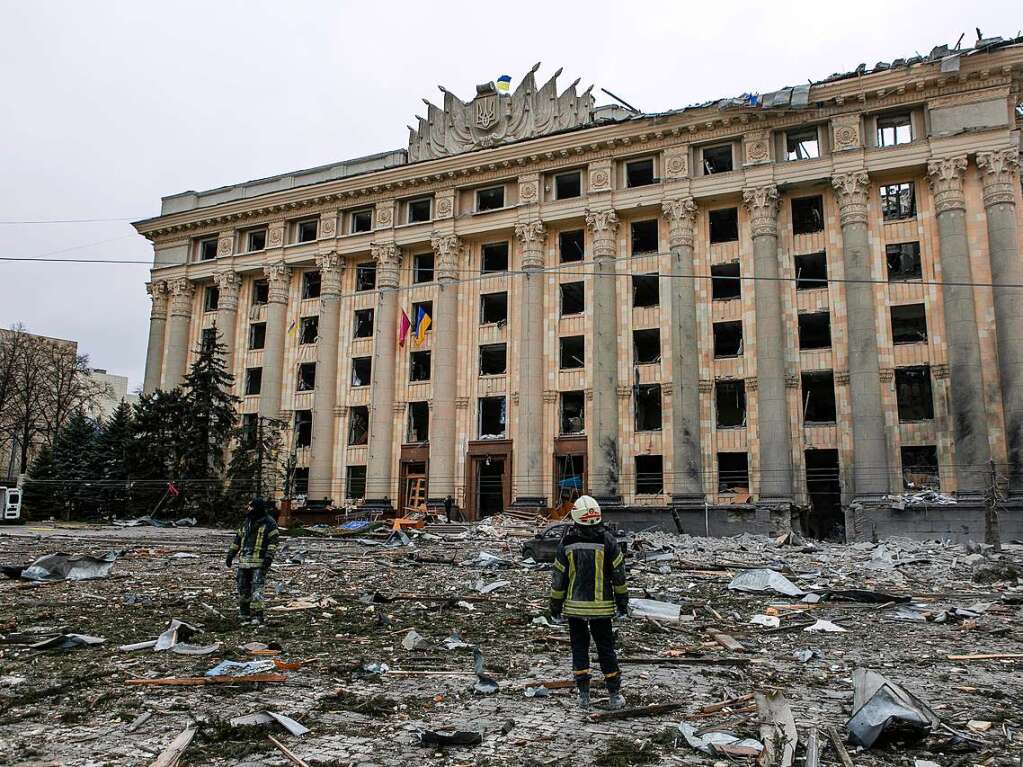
x: 288, y: 753
x: 714, y: 707
x: 632, y: 713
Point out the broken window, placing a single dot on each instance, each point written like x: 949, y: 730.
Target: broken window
x: 311, y: 282
x: 257, y: 335
x: 493, y: 359
x: 573, y: 410
x: 903, y: 261
x: 208, y: 337
x: 250, y: 429
x: 355, y: 482
x: 894, y: 129
x: 572, y: 352
x: 724, y: 225
x: 818, y: 397
x: 909, y: 324
x: 811, y: 271
x: 306, y: 230
x: 646, y: 346
x: 920, y: 467
x: 572, y: 298
x: 807, y: 215
x: 363, y: 326
x: 310, y: 330
x: 727, y: 339
x: 493, y: 308
x: 422, y: 268
x: 571, y: 246
x: 644, y: 237
x: 725, y: 282
x: 733, y: 472
x: 815, y: 330
x: 362, y: 221
x: 300, y: 480
x: 362, y: 368
x: 208, y: 249
x: 418, y: 422
x: 802, y: 144
x: 260, y: 292
x: 649, y: 474
x: 491, y: 198
x: 256, y: 240
x: 253, y: 381
x: 493, y: 417
x: 898, y: 201
x: 303, y: 428
x: 647, y: 398
x: 913, y: 393
x: 358, y: 425
x: 211, y: 299
x: 717, y: 159
x: 495, y: 257
x: 420, y: 210
x: 419, y: 366
x: 307, y: 376
x: 365, y: 276
x: 639, y: 172
x: 646, y: 289
x: 427, y: 307
x: 730, y: 403
x: 568, y: 185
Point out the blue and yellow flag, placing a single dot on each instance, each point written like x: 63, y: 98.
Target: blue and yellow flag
x: 503, y: 84
x: 421, y: 325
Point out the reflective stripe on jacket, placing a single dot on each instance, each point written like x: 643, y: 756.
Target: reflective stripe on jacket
x: 255, y: 541
x: 589, y: 574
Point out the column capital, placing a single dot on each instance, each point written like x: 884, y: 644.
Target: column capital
x: 388, y: 259
x: 762, y: 204
x: 946, y: 179
x: 681, y: 215
x: 159, y: 293
x: 532, y: 236
x: 999, y: 173
x: 331, y: 268
x: 182, y: 291
x: 278, y: 277
x: 851, y: 190
x: 229, y: 283
x: 447, y: 248
x: 604, y: 226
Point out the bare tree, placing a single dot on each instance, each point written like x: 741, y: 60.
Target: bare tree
x: 71, y: 387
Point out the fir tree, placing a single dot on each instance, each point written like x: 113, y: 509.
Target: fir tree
x: 256, y: 467
x: 115, y: 459
x: 74, y: 459
x: 158, y: 447
x: 42, y: 493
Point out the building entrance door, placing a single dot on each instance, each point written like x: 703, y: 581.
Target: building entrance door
x: 825, y: 520
x: 490, y: 498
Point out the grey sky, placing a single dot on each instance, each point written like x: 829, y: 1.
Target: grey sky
x: 108, y: 106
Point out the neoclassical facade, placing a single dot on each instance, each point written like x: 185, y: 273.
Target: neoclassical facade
x: 806, y: 299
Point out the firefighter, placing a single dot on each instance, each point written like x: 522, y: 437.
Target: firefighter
x: 588, y: 588
x: 255, y: 544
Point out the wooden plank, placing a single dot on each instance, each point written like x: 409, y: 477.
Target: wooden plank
x: 729, y: 643
x: 172, y: 754
x: 655, y: 661
x: 988, y: 656
x: 632, y: 713
x: 195, y: 681
x: 836, y: 743
x: 713, y: 707
x: 813, y: 748
x: 288, y: 753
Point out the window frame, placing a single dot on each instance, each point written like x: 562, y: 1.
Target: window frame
x: 485, y: 189
x: 355, y: 216
x: 790, y: 134
x: 299, y: 226
x: 409, y: 207
x: 886, y: 122
x: 730, y: 145
x: 628, y: 164
x: 200, y: 246
x: 250, y: 233
x: 578, y: 174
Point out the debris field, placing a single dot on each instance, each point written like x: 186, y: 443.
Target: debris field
x: 437, y: 648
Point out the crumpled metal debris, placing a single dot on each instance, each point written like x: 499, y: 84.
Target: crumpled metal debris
x: 455, y: 642
x: 270, y: 717
x: 236, y: 668
x: 724, y: 743
x: 768, y: 621
x: 883, y: 708
x: 765, y: 580
x: 490, y: 587
x: 60, y: 567
x: 413, y: 640
x: 825, y: 625
x: 485, y: 685
x: 777, y: 728
x: 68, y: 642
x: 655, y: 610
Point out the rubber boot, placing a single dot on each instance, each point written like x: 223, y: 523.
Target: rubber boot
x: 257, y: 618
x: 616, y: 702
x: 584, y: 696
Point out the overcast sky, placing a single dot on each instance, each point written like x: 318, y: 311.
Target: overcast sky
x: 106, y: 107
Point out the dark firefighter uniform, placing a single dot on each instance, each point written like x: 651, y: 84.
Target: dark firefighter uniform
x: 588, y: 587
x: 255, y: 544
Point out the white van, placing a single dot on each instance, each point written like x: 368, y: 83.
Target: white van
x: 10, y: 504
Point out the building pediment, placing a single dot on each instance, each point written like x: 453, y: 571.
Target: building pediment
x: 493, y: 118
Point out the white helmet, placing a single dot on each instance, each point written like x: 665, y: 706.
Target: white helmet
x: 586, y: 511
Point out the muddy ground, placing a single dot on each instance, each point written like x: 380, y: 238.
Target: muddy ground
x: 76, y: 707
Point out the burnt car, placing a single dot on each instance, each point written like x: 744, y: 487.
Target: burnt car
x: 544, y: 545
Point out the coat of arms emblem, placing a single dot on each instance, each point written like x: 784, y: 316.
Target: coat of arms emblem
x: 486, y: 111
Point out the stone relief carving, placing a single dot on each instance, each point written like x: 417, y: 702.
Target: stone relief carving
x: 676, y: 163
x: 448, y: 249
x: 998, y: 172
x: 845, y: 132
x: 494, y: 118
x: 946, y: 179
x: 328, y: 224
x: 225, y: 245
x: 275, y: 235
x: 851, y: 190
x: 755, y: 147
x: 681, y: 215
x: 762, y: 204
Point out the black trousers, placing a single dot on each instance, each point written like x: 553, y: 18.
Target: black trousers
x: 580, y: 631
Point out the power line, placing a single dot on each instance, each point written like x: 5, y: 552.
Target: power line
x: 7, y: 222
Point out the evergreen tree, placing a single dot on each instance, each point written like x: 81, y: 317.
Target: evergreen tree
x: 115, y: 460
x: 256, y: 466
x: 157, y: 449
x: 74, y: 459
x: 42, y: 493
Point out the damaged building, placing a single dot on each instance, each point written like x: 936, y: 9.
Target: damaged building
x: 689, y: 311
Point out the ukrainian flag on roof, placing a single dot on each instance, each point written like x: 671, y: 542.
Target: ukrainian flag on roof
x: 503, y: 84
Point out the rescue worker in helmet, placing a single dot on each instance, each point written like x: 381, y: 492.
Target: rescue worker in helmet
x: 255, y: 544
x: 588, y: 588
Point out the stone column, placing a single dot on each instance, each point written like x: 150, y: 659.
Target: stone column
x: 969, y: 415
x: 772, y: 407
x: 278, y: 276
x: 687, y: 466
x: 447, y: 250
x: 529, y: 445
x: 229, y: 285
x: 999, y: 173
x: 602, y: 422
x: 871, y: 475
x: 157, y: 326
x: 381, y: 410
x: 321, y: 449
x: 182, y: 293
